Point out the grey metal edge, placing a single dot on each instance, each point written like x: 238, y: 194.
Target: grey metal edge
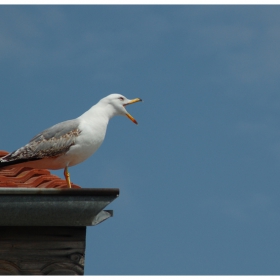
x: 55, y: 207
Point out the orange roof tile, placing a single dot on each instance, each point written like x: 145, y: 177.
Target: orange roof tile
x: 25, y: 177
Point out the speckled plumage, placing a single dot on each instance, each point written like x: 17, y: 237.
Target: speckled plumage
x: 51, y: 142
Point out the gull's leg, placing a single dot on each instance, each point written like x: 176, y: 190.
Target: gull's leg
x: 67, y: 177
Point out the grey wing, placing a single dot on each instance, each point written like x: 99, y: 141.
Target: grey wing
x: 57, y: 131
x: 51, y: 142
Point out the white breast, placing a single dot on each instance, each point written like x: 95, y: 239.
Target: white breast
x: 88, y: 141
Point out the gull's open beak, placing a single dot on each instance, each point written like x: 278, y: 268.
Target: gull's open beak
x: 131, y: 102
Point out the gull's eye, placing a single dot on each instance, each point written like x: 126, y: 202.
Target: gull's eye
x: 121, y: 98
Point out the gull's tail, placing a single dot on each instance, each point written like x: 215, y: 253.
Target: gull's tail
x: 9, y: 160
x: 8, y: 163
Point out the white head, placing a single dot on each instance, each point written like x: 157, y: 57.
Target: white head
x: 117, y: 103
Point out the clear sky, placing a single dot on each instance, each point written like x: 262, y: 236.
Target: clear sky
x: 199, y: 177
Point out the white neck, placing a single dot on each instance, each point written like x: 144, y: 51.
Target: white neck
x: 104, y: 112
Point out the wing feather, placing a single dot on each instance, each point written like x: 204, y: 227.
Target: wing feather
x: 51, y: 142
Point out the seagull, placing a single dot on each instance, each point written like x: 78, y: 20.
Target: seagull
x: 70, y: 142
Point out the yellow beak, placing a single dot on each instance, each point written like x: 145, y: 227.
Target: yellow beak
x: 131, y: 102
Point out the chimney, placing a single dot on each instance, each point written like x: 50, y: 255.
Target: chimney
x: 43, y: 223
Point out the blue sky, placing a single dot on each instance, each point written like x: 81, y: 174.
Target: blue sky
x: 199, y: 176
